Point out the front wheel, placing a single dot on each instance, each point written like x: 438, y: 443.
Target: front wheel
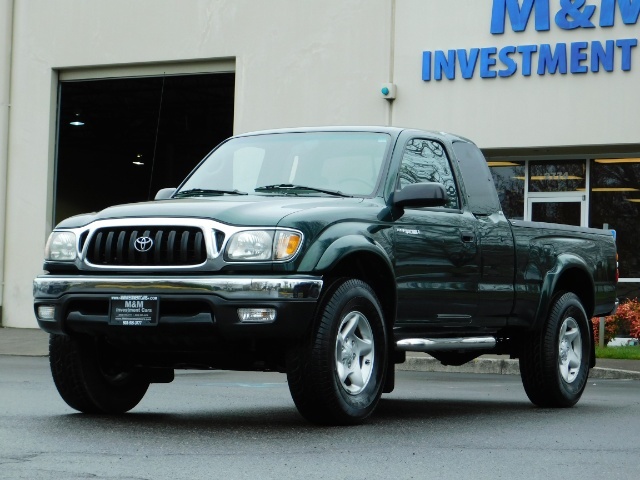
x: 87, y: 382
x: 554, y: 363
x: 338, y: 377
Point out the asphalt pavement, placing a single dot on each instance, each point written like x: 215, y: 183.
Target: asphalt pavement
x: 239, y: 425
x: 33, y: 342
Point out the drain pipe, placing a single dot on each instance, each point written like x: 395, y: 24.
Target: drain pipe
x: 6, y: 43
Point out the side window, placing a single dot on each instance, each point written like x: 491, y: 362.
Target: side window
x: 427, y: 161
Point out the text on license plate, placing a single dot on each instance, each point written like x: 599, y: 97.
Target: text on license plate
x: 134, y: 310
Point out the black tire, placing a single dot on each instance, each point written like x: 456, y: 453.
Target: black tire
x: 333, y: 382
x: 554, y: 363
x: 86, y: 383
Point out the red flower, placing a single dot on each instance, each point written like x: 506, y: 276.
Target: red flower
x: 625, y: 321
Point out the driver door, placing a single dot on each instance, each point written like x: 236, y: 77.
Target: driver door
x: 437, y: 250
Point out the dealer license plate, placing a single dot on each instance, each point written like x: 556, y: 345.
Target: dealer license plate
x: 134, y: 310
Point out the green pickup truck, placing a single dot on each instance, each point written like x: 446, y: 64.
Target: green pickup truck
x: 325, y: 253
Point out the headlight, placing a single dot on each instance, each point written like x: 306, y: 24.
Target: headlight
x: 61, y: 247
x: 263, y: 245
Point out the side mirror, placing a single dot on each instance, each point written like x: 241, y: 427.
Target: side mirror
x: 427, y: 194
x: 165, y: 193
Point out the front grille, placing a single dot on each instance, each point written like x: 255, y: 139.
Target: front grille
x: 171, y: 246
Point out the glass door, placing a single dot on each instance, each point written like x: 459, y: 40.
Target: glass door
x: 568, y: 209
x: 556, y: 192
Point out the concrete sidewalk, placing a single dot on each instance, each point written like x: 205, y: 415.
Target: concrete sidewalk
x: 34, y: 342
x: 502, y: 364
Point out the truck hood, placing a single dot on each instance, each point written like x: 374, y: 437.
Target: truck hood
x: 251, y: 210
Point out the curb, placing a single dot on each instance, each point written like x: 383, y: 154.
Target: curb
x: 499, y: 367
x: 613, y: 373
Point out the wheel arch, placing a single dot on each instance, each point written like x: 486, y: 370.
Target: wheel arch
x: 570, y: 274
x: 358, y: 257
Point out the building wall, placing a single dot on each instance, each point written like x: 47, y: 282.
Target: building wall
x: 297, y: 62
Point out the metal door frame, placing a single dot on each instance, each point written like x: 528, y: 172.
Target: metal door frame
x: 559, y: 197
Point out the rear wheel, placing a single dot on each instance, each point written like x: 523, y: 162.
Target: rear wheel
x: 338, y: 377
x: 90, y: 384
x: 554, y: 363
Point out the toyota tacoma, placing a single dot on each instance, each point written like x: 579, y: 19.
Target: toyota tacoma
x: 327, y: 254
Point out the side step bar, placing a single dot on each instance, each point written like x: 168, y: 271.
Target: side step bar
x: 445, y: 344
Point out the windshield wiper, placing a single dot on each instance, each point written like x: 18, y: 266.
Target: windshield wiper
x: 288, y: 187
x: 194, y: 192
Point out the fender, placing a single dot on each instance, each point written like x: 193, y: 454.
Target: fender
x: 347, y: 245
x: 564, y: 262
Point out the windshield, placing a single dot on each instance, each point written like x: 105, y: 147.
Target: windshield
x: 312, y: 163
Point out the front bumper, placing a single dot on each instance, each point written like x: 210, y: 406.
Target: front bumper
x: 191, y: 306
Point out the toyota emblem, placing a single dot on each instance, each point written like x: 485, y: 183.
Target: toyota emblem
x: 143, y: 244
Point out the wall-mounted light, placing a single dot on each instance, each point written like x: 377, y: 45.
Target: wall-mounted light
x: 618, y: 160
x: 504, y: 164
x: 538, y: 178
x: 138, y: 160
x: 77, y: 121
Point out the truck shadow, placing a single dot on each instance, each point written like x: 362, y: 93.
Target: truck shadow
x: 274, y: 420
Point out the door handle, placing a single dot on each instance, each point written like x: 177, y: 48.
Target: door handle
x: 468, y: 237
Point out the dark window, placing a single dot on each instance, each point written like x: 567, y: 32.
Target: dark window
x: 557, y: 176
x: 509, y: 177
x: 121, y: 140
x: 615, y: 202
x: 427, y: 161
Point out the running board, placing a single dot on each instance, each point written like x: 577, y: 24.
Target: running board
x: 445, y: 344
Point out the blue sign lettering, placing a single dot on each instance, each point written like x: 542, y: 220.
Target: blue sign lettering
x: 444, y: 63
x: 602, y: 56
x: 426, y: 66
x: 571, y: 15
x: 574, y: 14
x: 468, y: 62
x: 552, y: 62
x: 626, y: 46
x: 487, y: 62
x: 629, y: 10
x: 492, y: 62
x: 579, y: 57
x: 510, y: 64
x: 518, y: 16
x: 527, y: 52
